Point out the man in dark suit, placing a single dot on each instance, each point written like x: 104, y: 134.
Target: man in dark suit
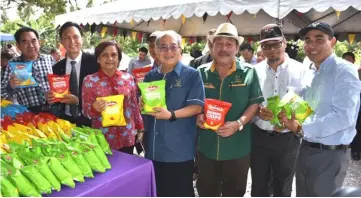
x: 78, y: 65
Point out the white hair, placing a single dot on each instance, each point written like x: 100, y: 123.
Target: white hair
x: 170, y: 33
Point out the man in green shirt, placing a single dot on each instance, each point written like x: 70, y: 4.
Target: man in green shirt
x: 223, y: 155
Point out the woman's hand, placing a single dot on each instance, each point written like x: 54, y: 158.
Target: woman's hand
x: 99, y: 105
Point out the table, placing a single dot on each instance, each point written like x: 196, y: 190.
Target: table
x: 130, y: 176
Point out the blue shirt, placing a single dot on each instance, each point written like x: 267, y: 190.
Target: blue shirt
x: 167, y: 141
x: 334, y: 95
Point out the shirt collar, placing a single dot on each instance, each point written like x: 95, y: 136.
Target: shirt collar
x: 177, y: 68
x: 101, y: 74
x: 233, y: 68
x: 77, y: 59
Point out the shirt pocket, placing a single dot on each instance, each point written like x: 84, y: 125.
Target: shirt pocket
x: 176, y: 98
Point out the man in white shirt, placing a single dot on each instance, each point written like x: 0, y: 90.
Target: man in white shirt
x: 274, y: 154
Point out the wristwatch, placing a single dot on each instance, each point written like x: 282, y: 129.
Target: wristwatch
x: 172, y: 117
x: 240, y: 124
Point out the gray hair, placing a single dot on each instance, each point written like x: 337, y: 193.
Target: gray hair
x: 170, y: 33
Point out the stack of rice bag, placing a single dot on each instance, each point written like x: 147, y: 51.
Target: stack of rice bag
x: 10, y: 109
x: 41, y: 152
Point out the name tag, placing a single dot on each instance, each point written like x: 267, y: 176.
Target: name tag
x: 238, y: 85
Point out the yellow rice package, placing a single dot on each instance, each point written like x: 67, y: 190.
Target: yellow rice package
x: 5, y: 103
x: 13, y: 135
x: 113, y: 115
x: 47, y: 131
x: 66, y: 126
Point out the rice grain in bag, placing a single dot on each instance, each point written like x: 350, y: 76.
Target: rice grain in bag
x: 215, y: 112
x: 59, y: 86
x: 153, y: 95
x: 140, y: 73
x: 291, y: 102
x: 113, y: 115
x: 23, y: 72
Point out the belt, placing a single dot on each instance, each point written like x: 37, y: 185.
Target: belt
x: 274, y: 133
x: 326, y: 147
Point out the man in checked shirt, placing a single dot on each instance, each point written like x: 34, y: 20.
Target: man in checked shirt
x: 27, y: 41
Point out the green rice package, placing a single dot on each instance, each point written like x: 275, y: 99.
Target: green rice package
x: 60, y: 172
x: 24, y: 186
x: 7, y: 188
x: 82, y: 164
x: 13, y: 159
x: 272, y: 105
x: 40, y: 163
x: 291, y: 102
x: 153, y: 95
x: 100, y: 140
x: 90, y: 157
x: 69, y: 164
x: 101, y: 156
x: 41, y: 183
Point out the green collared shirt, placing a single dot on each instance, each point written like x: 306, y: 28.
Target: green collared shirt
x: 241, y: 88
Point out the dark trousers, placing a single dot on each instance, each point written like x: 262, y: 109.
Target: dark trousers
x: 356, y: 143
x: 273, y: 158
x: 174, y: 179
x: 79, y: 121
x: 128, y: 150
x: 227, y: 178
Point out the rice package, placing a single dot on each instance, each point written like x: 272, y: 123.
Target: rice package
x: 153, y: 95
x: 23, y: 71
x: 113, y: 115
x: 140, y: 73
x: 7, y: 188
x: 89, y: 156
x: 101, y: 156
x: 215, y: 112
x: 59, y: 86
x: 69, y: 164
x: 60, y: 172
x: 24, y: 186
x: 272, y: 105
x: 291, y: 102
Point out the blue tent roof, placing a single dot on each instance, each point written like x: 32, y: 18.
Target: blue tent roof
x: 6, y: 37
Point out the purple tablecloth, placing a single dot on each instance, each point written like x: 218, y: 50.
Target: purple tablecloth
x: 130, y: 176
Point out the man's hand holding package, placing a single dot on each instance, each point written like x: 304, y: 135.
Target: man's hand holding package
x: 228, y: 129
x: 160, y: 113
x: 291, y: 124
x: 70, y: 99
x: 14, y: 81
x: 200, y: 121
x: 265, y: 114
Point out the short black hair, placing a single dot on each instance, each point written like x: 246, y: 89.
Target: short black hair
x: 67, y: 25
x: 101, y: 47
x: 246, y: 46
x: 143, y: 49
x: 22, y: 30
x: 53, y: 50
x: 348, y: 54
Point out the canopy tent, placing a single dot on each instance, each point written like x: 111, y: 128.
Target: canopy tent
x: 201, y: 15
x: 6, y: 37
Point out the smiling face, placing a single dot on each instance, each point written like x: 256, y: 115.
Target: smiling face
x: 318, y: 46
x: 108, y: 59
x: 29, y: 45
x: 72, y: 41
x: 168, y: 50
x: 225, y: 50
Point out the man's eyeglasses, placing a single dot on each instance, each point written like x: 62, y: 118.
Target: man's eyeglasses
x: 272, y: 45
x: 166, y: 48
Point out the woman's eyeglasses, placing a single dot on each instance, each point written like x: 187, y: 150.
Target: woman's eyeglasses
x: 272, y: 45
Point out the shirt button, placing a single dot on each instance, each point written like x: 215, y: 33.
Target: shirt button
x: 276, y: 76
x: 275, y: 90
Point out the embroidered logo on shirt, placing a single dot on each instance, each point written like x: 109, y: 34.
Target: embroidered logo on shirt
x: 178, y: 83
x: 238, y: 79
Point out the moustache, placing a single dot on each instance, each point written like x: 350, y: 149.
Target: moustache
x: 223, y: 54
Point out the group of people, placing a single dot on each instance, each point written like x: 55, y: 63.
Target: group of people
x: 316, y: 151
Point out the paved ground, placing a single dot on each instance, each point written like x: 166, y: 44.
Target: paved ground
x: 353, y: 178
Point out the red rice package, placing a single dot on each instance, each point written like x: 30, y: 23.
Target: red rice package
x: 215, y: 112
x: 140, y: 73
x: 59, y: 85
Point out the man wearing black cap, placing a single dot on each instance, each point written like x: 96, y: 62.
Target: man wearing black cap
x: 274, y: 153
x: 334, y: 95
